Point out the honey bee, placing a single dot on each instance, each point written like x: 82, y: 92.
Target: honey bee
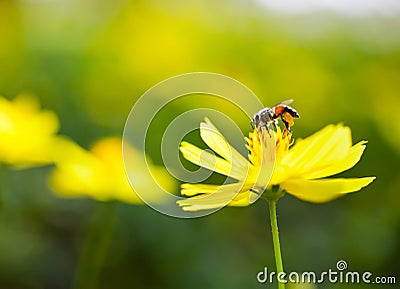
x: 269, y: 116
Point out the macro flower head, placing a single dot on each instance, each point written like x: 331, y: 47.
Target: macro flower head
x: 300, y: 169
x: 27, y: 133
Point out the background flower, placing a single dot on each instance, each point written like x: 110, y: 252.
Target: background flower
x: 27, y: 134
x: 100, y: 174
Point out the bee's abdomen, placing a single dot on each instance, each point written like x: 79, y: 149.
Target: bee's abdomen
x: 291, y: 111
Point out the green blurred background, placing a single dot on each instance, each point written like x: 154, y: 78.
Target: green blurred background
x: 90, y: 60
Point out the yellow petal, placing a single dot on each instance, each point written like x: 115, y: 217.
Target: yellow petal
x: 27, y: 133
x: 330, y: 143
x: 78, y: 176
x: 338, y: 166
x: 216, y: 141
x: 195, y: 189
x: 211, y: 162
x: 98, y: 173
x: 319, y: 191
x: 213, y: 196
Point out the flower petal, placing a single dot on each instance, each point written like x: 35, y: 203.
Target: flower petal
x: 217, y: 142
x: 319, y: 191
x: 213, y: 196
x: 338, y: 166
x: 329, y: 144
x: 195, y: 189
x: 212, y: 162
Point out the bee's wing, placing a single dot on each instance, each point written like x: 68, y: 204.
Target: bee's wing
x: 285, y: 102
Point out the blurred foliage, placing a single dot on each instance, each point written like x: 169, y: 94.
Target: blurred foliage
x: 90, y: 60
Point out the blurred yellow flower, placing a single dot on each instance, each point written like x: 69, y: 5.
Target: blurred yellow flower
x: 99, y: 173
x: 299, y: 170
x: 27, y: 134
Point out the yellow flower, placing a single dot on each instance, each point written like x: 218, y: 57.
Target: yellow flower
x: 27, y: 134
x: 99, y: 173
x: 299, y: 170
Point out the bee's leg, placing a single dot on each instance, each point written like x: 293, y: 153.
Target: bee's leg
x: 275, y: 124
x: 287, y: 126
x: 252, y: 124
x: 268, y: 130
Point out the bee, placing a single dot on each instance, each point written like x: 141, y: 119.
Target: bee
x: 269, y: 116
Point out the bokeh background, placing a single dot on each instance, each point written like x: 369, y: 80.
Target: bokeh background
x: 89, y: 61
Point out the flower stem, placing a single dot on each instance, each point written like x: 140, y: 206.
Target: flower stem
x: 5, y: 180
x: 275, y: 238
x: 95, y: 247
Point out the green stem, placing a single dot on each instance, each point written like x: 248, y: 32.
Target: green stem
x: 95, y: 247
x: 275, y: 238
x: 5, y: 181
